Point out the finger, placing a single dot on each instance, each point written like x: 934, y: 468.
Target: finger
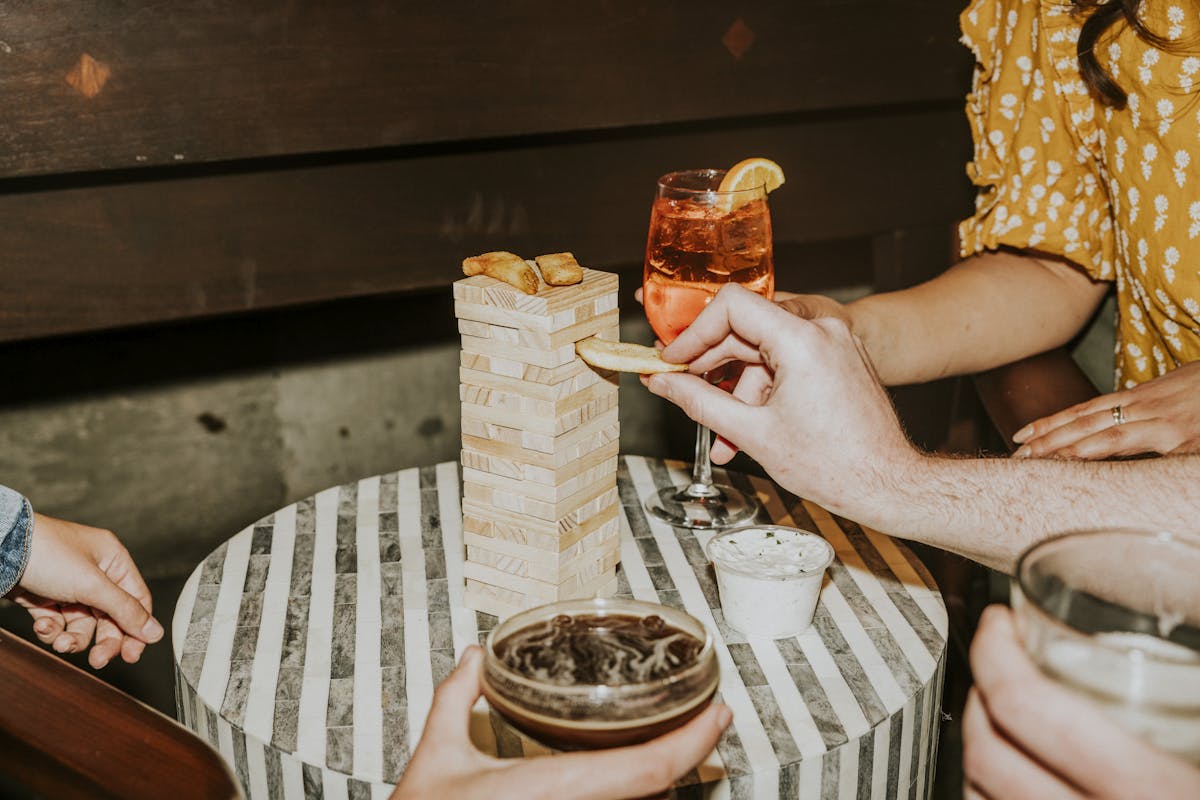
x: 731, y: 348
x: 109, y: 641
x: 449, y: 716
x: 77, y: 635
x: 1054, y: 440
x: 48, y: 622
x: 1072, y: 736
x: 1123, y: 440
x: 752, y: 388
x: 635, y: 771
x: 704, y: 403
x: 734, y: 310
x: 1040, y: 427
x: 131, y: 614
x: 637, y: 295
x: 997, y: 768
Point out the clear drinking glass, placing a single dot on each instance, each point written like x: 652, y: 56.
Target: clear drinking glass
x: 1115, y: 616
x: 701, y: 239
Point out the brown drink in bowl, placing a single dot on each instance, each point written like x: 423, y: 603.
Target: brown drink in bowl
x: 590, y: 674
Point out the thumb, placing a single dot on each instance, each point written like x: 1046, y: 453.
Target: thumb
x: 99, y: 592
x: 450, y: 714
x: 704, y: 403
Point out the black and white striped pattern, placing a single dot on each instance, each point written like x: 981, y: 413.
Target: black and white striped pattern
x: 307, y: 646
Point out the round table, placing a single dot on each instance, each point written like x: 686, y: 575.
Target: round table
x: 307, y: 647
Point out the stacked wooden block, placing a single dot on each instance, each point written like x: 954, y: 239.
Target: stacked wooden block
x: 540, y: 437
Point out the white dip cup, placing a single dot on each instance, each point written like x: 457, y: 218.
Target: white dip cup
x: 769, y: 577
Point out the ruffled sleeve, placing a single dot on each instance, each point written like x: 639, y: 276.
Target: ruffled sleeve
x: 1035, y: 136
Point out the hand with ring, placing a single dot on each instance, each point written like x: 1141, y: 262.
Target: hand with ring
x: 1158, y: 416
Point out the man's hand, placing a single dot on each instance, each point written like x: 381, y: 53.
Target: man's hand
x: 447, y: 765
x: 823, y: 428
x: 1161, y: 416
x: 1026, y: 736
x: 80, y: 583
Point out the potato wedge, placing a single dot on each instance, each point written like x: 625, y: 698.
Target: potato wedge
x: 623, y: 357
x: 560, y: 269
x: 504, y: 266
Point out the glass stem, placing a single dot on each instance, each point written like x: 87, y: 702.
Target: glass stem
x: 702, y: 482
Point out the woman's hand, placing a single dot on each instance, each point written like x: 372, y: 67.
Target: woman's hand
x: 1026, y: 736
x: 1160, y: 416
x: 447, y: 765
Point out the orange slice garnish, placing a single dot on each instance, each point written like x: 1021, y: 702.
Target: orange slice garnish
x: 751, y: 173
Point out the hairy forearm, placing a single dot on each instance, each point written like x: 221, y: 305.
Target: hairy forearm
x: 992, y: 509
x: 989, y: 310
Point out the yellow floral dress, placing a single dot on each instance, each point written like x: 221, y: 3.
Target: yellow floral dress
x: 1115, y: 192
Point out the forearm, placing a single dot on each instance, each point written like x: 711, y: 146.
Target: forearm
x: 16, y: 527
x: 992, y: 509
x: 989, y: 310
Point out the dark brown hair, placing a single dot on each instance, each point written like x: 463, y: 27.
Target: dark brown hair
x: 1102, y: 17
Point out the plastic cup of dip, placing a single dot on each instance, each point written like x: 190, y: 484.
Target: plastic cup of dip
x: 769, y: 578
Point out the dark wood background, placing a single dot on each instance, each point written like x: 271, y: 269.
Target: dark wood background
x: 250, y: 156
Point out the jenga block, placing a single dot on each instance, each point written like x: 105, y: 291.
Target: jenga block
x: 578, y: 585
x: 531, y: 356
x: 603, y: 473
x: 536, y: 391
x: 509, y: 501
x: 493, y: 600
x: 530, y: 440
x: 509, y: 332
x: 552, y: 536
x: 572, y: 445
x: 608, y: 532
x: 494, y: 398
x: 589, y: 562
x: 520, y: 470
x: 526, y: 372
x: 503, y: 603
x: 495, y: 315
x: 483, y: 290
x: 605, y: 399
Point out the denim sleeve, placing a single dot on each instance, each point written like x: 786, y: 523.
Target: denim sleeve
x: 16, y: 529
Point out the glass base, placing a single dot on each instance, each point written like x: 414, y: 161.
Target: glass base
x: 726, y: 508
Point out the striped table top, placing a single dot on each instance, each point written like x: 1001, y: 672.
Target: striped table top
x: 307, y: 647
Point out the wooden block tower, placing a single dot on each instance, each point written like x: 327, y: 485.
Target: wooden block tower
x: 539, y: 443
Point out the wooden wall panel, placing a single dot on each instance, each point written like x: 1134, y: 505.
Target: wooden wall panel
x: 199, y: 82
x: 98, y: 256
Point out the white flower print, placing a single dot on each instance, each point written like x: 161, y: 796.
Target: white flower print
x: 1192, y: 307
x: 1149, y: 153
x: 1165, y: 109
x: 1149, y: 59
x: 1194, y: 215
x: 1160, y: 208
x: 1160, y: 361
x: 1135, y: 318
x: 1007, y: 103
x: 1134, y: 103
x: 1134, y: 196
x: 1171, y: 258
x: 1143, y: 250
x: 1120, y: 145
x: 1187, y: 69
x: 1182, y: 160
x: 1175, y: 15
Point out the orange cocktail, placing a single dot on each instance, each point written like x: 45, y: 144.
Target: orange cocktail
x: 707, y: 228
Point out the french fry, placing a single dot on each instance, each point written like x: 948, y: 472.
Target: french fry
x: 623, y: 356
x: 503, y: 266
x: 560, y: 269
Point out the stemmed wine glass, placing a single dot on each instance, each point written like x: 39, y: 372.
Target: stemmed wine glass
x: 700, y: 239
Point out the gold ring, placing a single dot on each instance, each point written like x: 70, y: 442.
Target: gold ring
x: 1118, y: 415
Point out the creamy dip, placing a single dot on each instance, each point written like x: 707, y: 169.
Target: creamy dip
x: 769, y: 578
x: 771, y: 552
